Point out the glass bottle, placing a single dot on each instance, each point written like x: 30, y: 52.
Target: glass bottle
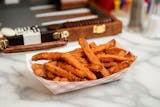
x: 152, y: 29
x: 136, y: 16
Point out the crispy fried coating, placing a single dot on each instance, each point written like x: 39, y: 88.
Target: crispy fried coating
x: 92, y: 57
x: 109, y: 64
x: 116, y: 51
x: 94, y: 68
x: 89, y: 62
x: 57, y: 78
x: 46, y: 56
x: 77, y: 52
x: 124, y: 64
x: 96, y: 49
x: 88, y: 52
x: 119, y: 66
x: 39, y: 70
x: 108, y: 57
x: 84, y: 61
x: 130, y: 57
x: 52, y: 67
x: 64, y: 80
x: 114, y: 69
x: 92, y: 45
x: 50, y: 75
x: 75, y: 63
x: 60, y: 79
x: 101, y: 48
x: 71, y: 69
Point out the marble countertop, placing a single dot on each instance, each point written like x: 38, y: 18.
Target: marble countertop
x: 138, y: 88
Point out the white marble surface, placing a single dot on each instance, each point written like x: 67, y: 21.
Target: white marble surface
x: 140, y: 87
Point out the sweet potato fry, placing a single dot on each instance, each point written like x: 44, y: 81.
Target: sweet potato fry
x: 130, y: 57
x: 92, y: 57
x: 92, y: 45
x: 101, y: 48
x: 97, y: 49
x: 83, y: 61
x: 51, y: 66
x: 94, y: 68
x: 108, y: 57
x: 124, y: 64
x: 116, y: 51
x: 106, y: 60
x: 64, y: 80
x: 46, y: 56
x: 75, y: 63
x: 57, y: 78
x: 114, y: 69
x: 50, y: 75
x: 71, y: 69
x: 39, y: 70
x: 77, y: 52
x: 60, y: 79
x: 119, y: 66
x: 109, y: 64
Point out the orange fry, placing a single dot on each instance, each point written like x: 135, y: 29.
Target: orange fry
x: 131, y: 57
x: 56, y: 55
x: 94, y: 68
x: 116, y: 51
x: 108, y: 57
x: 46, y: 56
x: 97, y: 49
x: 71, y: 69
x: 82, y: 60
x: 51, y: 66
x: 91, y: 56
x: 124, y: 65
x: 110, y: 64
x: 119, y: 66
x: 78, y: 50
x: 57, y: 79
x: 101, y: 48
x: 64, y: 80
x: 39, y: 70
x: 114, y: 69
x: 74, y: 62
x: 50, y: 75
x: 60, y: 79
x: 92, y: 45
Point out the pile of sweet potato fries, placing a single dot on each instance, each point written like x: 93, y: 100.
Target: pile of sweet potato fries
x: 89, y: 62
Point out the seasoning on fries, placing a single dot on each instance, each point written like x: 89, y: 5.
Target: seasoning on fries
x: 89, y: 62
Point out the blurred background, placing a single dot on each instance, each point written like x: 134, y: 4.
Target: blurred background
x: 15, y: 13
